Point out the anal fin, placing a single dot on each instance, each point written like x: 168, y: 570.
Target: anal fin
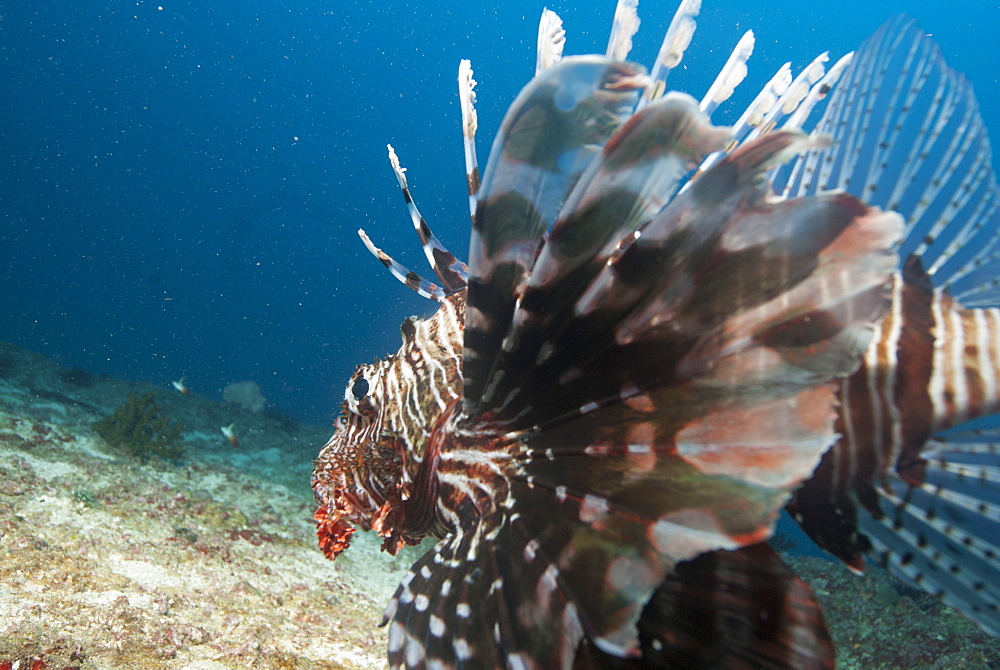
x: 727, y: 609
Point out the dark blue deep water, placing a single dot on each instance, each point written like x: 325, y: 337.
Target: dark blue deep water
x: 182, y: 181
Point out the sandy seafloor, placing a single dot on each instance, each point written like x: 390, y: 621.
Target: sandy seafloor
x: 211, y: 563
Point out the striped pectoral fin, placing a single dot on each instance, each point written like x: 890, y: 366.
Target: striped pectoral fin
x: 639, y: 168
x: 649, y: 492
x: 489, y: 598
x: 596, y: 562
x: 810, y: 315
x: 526, y: 589
x: 724, y: 284
x: 636, y: 480
x: 551, y: 133
x: 445, y: 609
x: 729, y: 609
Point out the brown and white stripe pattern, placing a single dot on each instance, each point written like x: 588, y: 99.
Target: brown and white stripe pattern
x: 931, y: 365
x: 370, y: 471
x: 579, y: 479
x: 927, y: 509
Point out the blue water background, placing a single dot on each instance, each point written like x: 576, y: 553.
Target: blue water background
x: 182, y: 181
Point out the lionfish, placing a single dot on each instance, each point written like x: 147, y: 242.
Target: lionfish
x: 666, y: 333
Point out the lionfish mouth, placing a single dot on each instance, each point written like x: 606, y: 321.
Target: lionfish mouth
x: 373, y: 507
x: 377, y: 492
x: 333, y: 532
x: 346, y: 500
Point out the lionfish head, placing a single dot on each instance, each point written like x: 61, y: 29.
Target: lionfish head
x: 361, y: 471
x: 371, y: 470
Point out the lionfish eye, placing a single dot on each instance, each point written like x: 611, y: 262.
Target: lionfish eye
x: 360, y: 388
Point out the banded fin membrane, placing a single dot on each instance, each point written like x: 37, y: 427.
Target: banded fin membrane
x: 549, y: 137
x: 738, y: 609
x: 629, y: 385
x: 642, y: 381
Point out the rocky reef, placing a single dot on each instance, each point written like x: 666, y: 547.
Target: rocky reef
x: 246, y: 395
x: 138, y: 429
x: 208, y: 562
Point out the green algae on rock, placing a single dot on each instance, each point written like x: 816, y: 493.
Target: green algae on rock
x: 138, y: 429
